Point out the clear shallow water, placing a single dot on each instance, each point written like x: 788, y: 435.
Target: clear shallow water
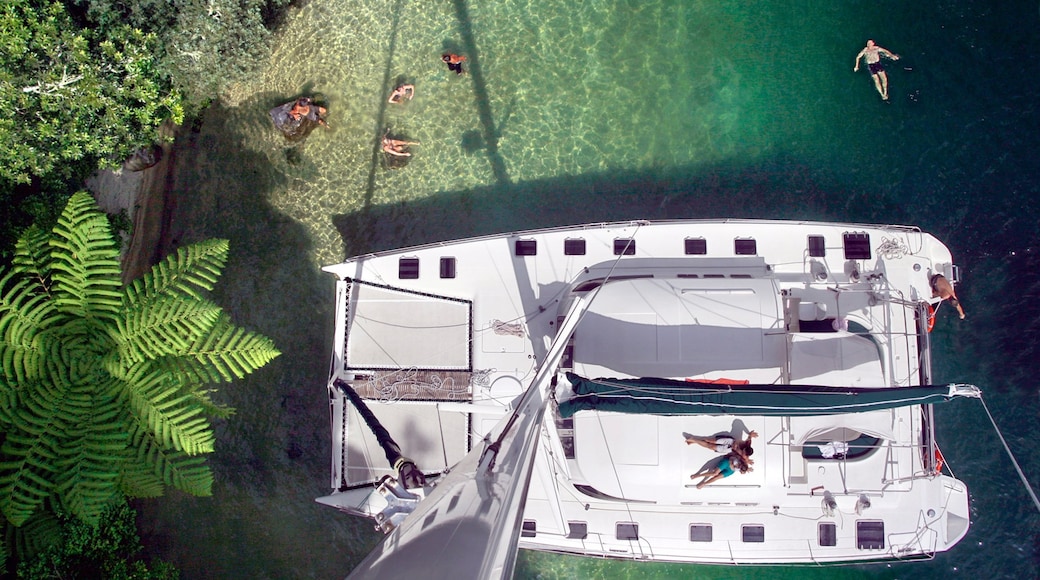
x: 579, y: 112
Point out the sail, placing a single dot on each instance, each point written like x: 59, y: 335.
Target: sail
x: 669, y: 397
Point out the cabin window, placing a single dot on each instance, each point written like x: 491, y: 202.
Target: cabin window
x: 817, y: 247
x: 447, y: 267
x: 857, y: 245
x: 828, y: 534
x: 408, y: 268
x: 624, y: 247
x: 870, y: 535
x: 529, y: 528
x: 700, y: 532
x: 577, y: 530
x: 526, y: 247
x: 627, y: 531
x: 745, y: 246
x: 753, y: 533
x: 574, y: 247
x: 696, y: 246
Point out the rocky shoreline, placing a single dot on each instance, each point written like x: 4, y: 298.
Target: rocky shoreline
x: 145, y: 196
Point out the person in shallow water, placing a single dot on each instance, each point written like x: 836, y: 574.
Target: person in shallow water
x: 942, y: 288
x: 401, y: 93
x: 454, y: 62
x: 396, y: 146
x: 871, y: 54
x: 306, y: 108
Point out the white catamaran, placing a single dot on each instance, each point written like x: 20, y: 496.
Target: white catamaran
x: 538, y: 390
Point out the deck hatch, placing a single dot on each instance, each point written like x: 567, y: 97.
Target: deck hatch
x: 870, y: 535
x: 624, y: 247
x: 817, y: 247
x: 529, y: 529
x: 700, y: 532
x: 574, y: 247
x: 745, y: 247
x: 408, y: 268
x: 753, y: 533
x: 527, y: 247
x: 857, y: 245
x: 577, y: 530
x: 695, y: 246
x: 627, y: 531
x: 828, y: 534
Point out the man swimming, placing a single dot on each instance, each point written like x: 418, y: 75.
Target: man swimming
x: 872, y: 54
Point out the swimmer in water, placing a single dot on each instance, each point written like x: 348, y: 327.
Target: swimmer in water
x: 871, y: 54
x: 401, y: 93
x: 454, y: 62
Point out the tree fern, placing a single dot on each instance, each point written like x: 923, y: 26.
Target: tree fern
x: 84, y: 261
x: 103, y: 386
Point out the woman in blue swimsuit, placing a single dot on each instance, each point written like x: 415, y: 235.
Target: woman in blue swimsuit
x: 726, y: 467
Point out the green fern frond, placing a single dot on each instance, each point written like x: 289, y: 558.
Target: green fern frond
x: 138, y: 479
x: 162, y: 327
x: 88, y: 469
x: 189, y: 474
x: 228, y: 352
x: 38, y: 533
x: 174, y: 419
x: 85, y: 269
x: 183, y: 274
x: 211, y: 408
x: 26, y: 475
x: 32, y: 255
x: 24, y: 316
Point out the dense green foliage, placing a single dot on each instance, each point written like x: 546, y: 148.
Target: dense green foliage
x: 102, y: 386
x: 83, y: 83
x: 108, y: 550
x: 206, y: 45
x: 71, y: 93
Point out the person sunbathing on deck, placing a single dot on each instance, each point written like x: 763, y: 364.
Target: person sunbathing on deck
x: 725, y: 467
x: 726, y: 444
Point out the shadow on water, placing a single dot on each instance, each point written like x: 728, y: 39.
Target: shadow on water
x: 483, y: 98
x: 774, y: 189
x: 271, y: 459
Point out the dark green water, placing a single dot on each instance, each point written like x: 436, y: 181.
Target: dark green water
x: 587, y: 111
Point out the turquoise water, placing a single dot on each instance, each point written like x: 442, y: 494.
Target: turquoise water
x: 586, y: 111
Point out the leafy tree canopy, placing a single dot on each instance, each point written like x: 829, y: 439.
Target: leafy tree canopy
x: 102, y: 386
x: 72, y: 93
x: 207, y: 45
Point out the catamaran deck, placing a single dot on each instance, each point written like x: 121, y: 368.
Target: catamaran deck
x: 441, y: 339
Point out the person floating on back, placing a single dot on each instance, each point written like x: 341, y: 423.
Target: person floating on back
x: 872, y: 54
x: 454, y: 62
x: 401, y: 93
x: 396, y: 147
x: 942, y: 289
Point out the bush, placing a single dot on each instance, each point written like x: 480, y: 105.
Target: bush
x: 109, y: 550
